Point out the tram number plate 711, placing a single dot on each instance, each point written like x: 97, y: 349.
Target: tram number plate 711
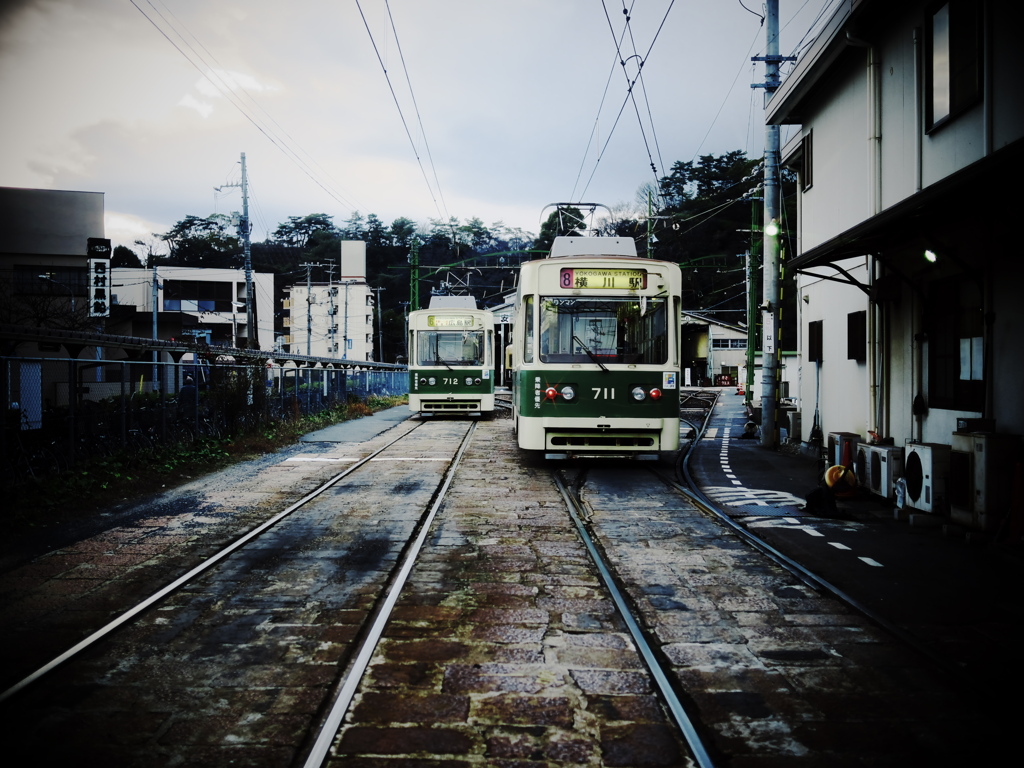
x: 604, y: 393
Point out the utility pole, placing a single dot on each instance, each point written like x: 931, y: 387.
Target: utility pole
x: 309, y: 306
x: 155, y: 298
x: 414, y: 275
x: 380, y: 326
x: 772, y: 216
x: 244, y: 229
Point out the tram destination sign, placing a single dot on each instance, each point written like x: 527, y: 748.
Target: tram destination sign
x: 449, y: 321
x: 603, y: 279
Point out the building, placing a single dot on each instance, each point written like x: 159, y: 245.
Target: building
x: 332, y: 319
x: 203, y: 304
x: 53, y: 263
x: 910, y: 131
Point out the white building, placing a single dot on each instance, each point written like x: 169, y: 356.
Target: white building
x: 206, y: 304
x: 911, y: 132
x: 333, y: 319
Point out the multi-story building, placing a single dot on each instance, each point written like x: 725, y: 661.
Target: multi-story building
x: 911, y: 128
x: 203, y: 304
x: 332, y: 319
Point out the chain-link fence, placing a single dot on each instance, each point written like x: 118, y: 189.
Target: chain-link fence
x: 60, y: 412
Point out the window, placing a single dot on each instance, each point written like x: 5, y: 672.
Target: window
x: 857, y: 336
x: 197, y: 296
x: 450, y: 348
x: 953, y: 71
x: 728, y: 343
x: 956, y: 361
x: 604, y: 330
x: 815, y: 331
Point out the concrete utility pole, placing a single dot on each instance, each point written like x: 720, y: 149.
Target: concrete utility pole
x: 380, y: 326
x: 772, y: 218
x: 244, y: 229
x: 309, y: 306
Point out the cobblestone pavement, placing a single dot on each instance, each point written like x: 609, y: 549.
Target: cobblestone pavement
x: 234, y: 667
x: 504, y: 649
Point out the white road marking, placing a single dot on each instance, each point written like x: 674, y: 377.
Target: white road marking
x: 837, y: 545
x: 871, y: 562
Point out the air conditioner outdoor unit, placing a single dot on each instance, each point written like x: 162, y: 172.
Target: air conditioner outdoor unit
x: 842, y: 447
x: 862, y: 465
x: 980, y: 478
x: 925, y: 468
x: 884, y: 466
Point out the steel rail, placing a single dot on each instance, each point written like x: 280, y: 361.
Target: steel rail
x: 687, y: 486
x: 156, y: 597
x: 668, y: 694
x: 329, y: 729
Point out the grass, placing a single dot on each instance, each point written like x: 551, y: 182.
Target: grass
x: 113, y: 480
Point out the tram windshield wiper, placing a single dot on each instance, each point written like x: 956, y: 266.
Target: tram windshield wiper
x: 592, y: 356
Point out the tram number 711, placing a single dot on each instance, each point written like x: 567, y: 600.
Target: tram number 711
x: 604, y: 393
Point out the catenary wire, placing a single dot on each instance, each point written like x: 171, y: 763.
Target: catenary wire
x: 210, y: 74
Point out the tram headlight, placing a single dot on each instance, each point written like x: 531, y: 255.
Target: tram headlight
x: 432, y: 381
x: 655, y: 394
x: 476, y: 381
x: 423, y: 380
x: 638, y: 394
x: 469, y: 381
x: 568, y: 392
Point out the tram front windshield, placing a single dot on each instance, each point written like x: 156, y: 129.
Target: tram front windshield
x: 450, y: 348
x: 604, y: 330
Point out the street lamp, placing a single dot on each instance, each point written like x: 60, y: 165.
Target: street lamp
x: 56, y: 282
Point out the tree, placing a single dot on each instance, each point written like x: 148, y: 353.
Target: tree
x: 198, y: 242
x: 124, y: 256
x: 299, y: 230
x: 565, y: 222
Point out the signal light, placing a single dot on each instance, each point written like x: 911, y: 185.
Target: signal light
x: 655, y: 394
x: 550, y: 394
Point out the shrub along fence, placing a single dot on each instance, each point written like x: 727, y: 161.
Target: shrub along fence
x: 62, y: 411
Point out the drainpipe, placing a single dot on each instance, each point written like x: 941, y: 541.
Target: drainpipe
x: 876, y: 367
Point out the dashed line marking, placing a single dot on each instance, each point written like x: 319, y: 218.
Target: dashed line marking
x: 869, y: 561
x: 837, y: 545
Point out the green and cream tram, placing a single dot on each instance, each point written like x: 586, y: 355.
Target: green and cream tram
x: 451, y: 360
x: 595, y: 352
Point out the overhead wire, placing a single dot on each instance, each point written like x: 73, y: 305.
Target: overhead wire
x: 401, y: 114
x: 235, y: 93
x: 629, y: 90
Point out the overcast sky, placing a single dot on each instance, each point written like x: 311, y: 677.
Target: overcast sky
x: 513, y: 103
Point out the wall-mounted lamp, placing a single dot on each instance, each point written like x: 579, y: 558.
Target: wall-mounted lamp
x: 771, y: 228
x: 930, y: 256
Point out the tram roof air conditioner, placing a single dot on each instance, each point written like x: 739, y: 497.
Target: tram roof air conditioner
x: 925, y: 468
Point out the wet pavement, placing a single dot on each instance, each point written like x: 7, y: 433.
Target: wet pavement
x: 954, y: 589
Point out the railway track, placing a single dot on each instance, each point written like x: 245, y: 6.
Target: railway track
x: 588, y: 613
x: 202, y: 609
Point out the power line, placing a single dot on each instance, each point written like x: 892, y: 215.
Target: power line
x: 405, y: 124
x: 235, y: 93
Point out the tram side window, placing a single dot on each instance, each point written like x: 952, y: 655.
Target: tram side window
x: 528, y: 329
